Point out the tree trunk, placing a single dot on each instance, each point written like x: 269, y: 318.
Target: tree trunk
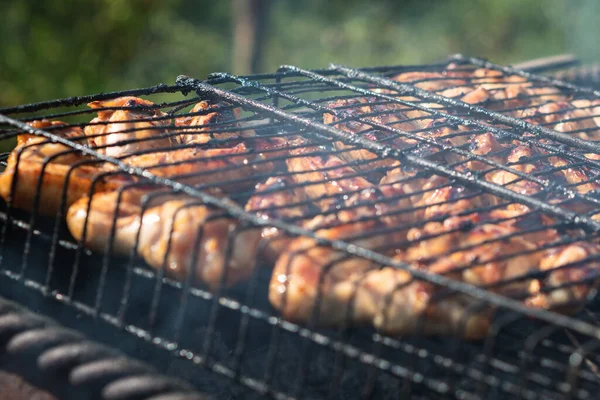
x: 250, y: 20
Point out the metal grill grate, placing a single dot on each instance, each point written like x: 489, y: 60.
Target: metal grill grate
x: 404, y: 162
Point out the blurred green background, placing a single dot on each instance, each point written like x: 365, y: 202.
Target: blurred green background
x: 59, y: 48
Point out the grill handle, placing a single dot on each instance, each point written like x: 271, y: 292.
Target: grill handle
x: 69, y: 366
x: 547, y: 63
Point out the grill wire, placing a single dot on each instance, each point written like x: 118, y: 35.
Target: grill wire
x: 234, y: 331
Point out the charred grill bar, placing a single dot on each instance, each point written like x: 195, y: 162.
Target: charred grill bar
x: 181, y: 168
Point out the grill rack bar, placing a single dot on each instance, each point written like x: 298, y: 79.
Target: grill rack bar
x: 546, y: 63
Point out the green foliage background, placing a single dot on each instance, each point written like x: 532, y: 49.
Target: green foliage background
x: 58, y: 48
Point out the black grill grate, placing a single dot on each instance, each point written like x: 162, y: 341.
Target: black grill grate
x: 234, y: 331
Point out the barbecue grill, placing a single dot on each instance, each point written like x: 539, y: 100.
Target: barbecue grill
x: 229, y: 340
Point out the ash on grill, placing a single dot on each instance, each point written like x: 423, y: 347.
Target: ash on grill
x: 428, y: 231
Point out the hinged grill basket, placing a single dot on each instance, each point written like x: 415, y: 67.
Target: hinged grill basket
x: 425, y: 232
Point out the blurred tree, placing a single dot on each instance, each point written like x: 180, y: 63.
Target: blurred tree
x: 68, y: 46
x: 62, y: 48
x: 59, y: 48
x: 250, y: 26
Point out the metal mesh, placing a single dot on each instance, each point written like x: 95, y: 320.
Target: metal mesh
x: 433, y: 229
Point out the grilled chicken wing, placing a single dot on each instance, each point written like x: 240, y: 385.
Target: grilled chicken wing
x: 231, y: 167
x: 307, y: 268
x: 278, y: 199
x: 36, y: 159
x: 324, y: 178
x: 173, y: 232
x: 367, y: 109
x: 512, y: 94
x: 341, y: 193
x: 570, y: 274
x: 196, y: 128
x: 126, y: 125
x: 238, y: 167
x: 356, y: 291
x: 568, y: 118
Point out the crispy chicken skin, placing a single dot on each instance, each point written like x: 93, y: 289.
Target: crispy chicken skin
x: 278, y: 199
x: 324, y: 178
x: 195, y: 129
x: 234, y: 159
x: 349, y: 109
x: 126, y: 119
x: 170, y: 230
x: 197, y: 166
x: 355, y: 291
x: 337, y: 190
x: 35, y: 158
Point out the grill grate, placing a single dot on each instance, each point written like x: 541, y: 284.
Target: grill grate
x: 297, y: 114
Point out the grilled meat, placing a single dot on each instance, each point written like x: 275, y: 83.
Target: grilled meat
x: 278, y: 199
x: 196, y: 166
x: 54, y: 168
x: 173, y: 232
x: 307, y: 269
x: 578, y: 118
x: 367, y: 109
x: 479, y: 239
x: 127, y: 125
x: 341, y: 193
x: 196, y: 128
x: 570, y: 274
x: 355, y: 291
x: 238, y: 154
x: 373, y: 202
x: 325, y: 178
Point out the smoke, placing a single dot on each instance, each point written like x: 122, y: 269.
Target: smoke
x: 581, y: 28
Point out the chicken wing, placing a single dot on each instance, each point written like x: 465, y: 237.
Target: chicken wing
x: 36, y: 159
x: 571, y: 272
x: 566, y: 117
x: 278, y: 199
x: 324, y: 178
x: 126, y: 125
x: 196, y: 128
x: 367, y: 109
x: 174, y: 232
x: 313, y: 280
x: 307, y: 270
